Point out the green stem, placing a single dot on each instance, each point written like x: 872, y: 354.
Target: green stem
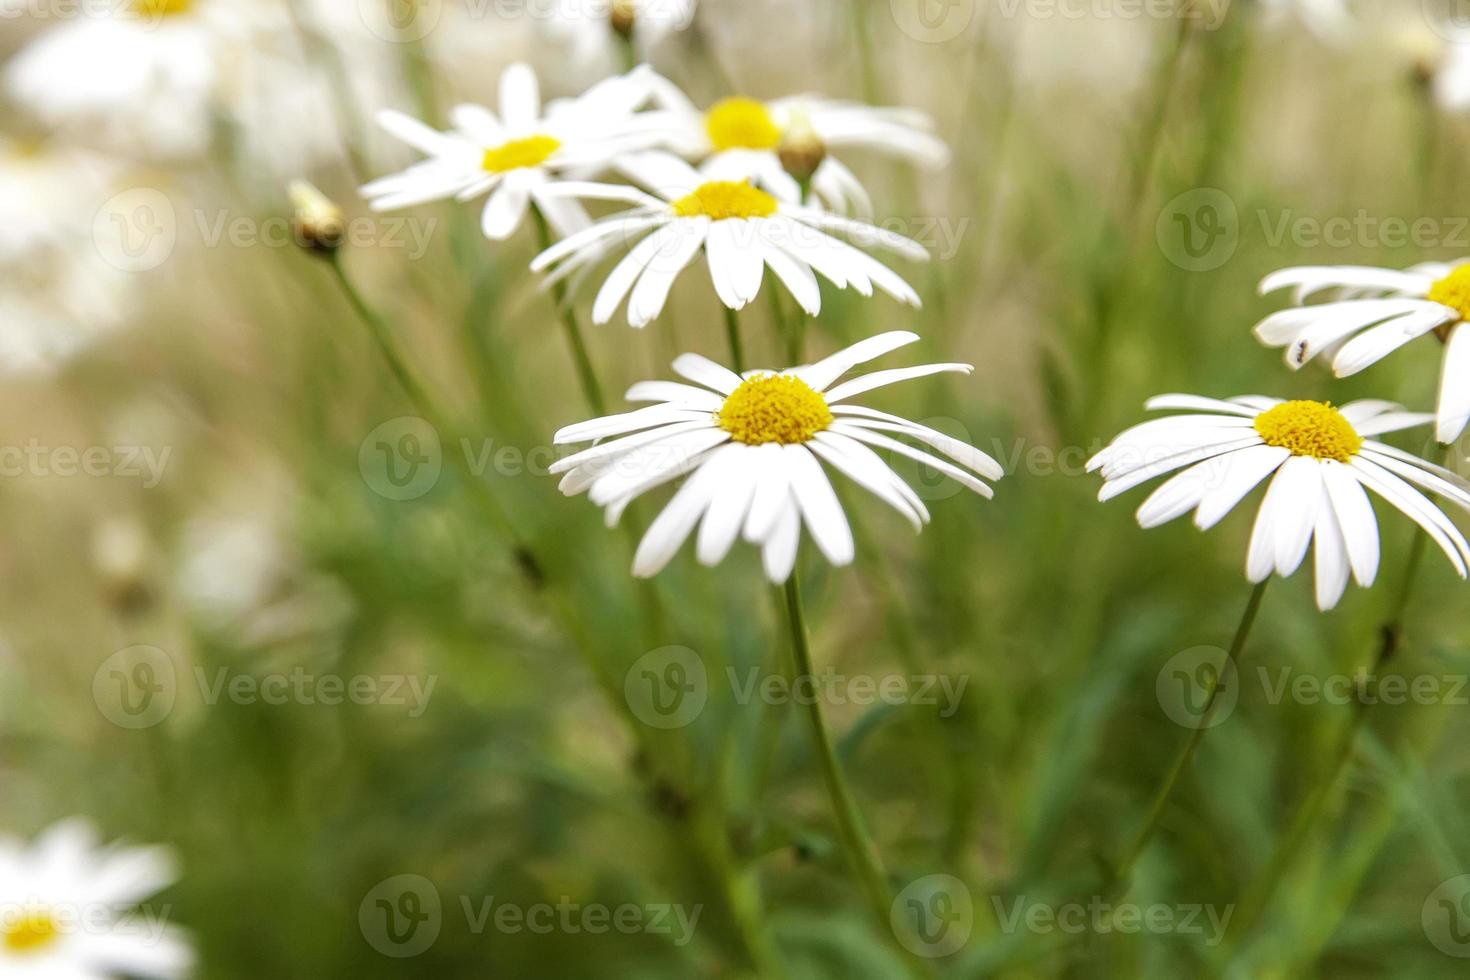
x: 1124, y: 867
x: 585, y: 372
x: 1258, y: 896
x: 426, y: 404
x: 856, y: 844
x: 732, y: 333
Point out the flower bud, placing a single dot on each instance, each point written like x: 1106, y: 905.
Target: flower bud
x: 623, y: 17
x: 319, y: 222
x: 801, y: 150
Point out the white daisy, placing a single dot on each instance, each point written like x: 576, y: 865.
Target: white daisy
x: 141, y: 79
x: 517, y: 154
x: 748, y: 134
x: 1370, y: 314
x: 741, y: 230
x: 755, y: 445
x: 593, y: 31
x: 1323, y: 463
x: 70, y: 908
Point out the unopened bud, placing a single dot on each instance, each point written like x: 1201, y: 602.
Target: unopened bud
x: 801, y: 150
x: 320, y: 223
x: 624, y: 18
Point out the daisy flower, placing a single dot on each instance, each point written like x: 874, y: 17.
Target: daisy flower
x: 514, y: 156
x: 740, y: 228
x: 1321, y: 460
x: 67, y: 909
x: 748, y: 136
x: 754, y: 446
x: 593, y: 31
x: 1373, y: 312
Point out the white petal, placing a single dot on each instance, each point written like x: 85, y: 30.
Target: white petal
x: 613, y: 425
x: 1240, y: 473
x: 879, y: 379
x: 772, y: 491
x: 961, y: 452
x: 504, y: 211
x: 1331, y: 556
x: 729, y: 507
x: 820, y: 509
x: 673, y: 524
x: 1418, y: 508
x: 623, y: 276
x: 825, y: 372
x: 865, y: 468
x: 679, y: 243
x: 779, y: 554
x: 478, y: 123
x: 650, y: 466
x: 702, y: 370
x: 520, y: 98
x: 685, y: 396
x: 797, y: 276
x: 893, y: 445
x: 1190, y: 403
x: 1374, y: 344
x: 1356, y: 519
x: 1454, y: 387
x: 1299, y: 487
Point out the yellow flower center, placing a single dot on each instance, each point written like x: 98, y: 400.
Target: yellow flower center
x: 739, y: 123
x: 162, y: 8
x: 30, y: 933
x: 773, y: 408
x: 529, y: 152
x: 1454, y: 291
x: 1310, y: 429
x: 722, y: 199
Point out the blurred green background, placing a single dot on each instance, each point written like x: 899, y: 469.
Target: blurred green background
x: 1085, y: 148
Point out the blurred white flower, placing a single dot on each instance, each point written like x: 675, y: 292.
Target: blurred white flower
x: 140, y: 78
x: 747, y: 135
x: 1322, y: 458
x: 69, y: 909
x: 230, y: 566
x: 740, y: 228
x: 1330, y: 21
x: 516, y: 156
x: 755, y: 445
x: 1370, y: 314
x: 595, y: 33
x: 57, y: 294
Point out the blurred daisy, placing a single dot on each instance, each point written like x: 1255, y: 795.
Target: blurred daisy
x: 1323, y: 463
x: 142, y: 78
x: 67, y: 909
x: 741, y: 230
x: 1329, y: 21
x: 1370, y: 314
x: 755, y: 445
x: 750, y: 138
x: 516, y: 155
x: 593, y: 31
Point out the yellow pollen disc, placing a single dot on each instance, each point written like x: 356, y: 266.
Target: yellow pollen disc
x: 31, y: 933
x: 529, y: 152
x: 739, y: 123
x: 162, y: 8
x: 722, y: 199
x: 773, y: 408
x: 1310, y: 429
x: 1454, y: 291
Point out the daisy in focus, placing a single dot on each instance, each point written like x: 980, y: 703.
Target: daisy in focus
x: 516, y: 155
x: 769, y: 141
x: 741, y: 229
x: 754, y: 447
x: 1370, y: 313
x: 67, y: 909
x: 1322, y: 462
